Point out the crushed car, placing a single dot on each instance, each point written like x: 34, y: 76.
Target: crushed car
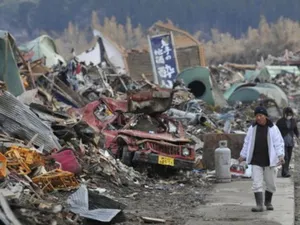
x: 136, y: 131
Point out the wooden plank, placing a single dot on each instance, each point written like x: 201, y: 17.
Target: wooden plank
x: 153, y: 220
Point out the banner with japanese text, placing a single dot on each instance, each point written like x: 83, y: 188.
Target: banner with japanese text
x: 164, y: 61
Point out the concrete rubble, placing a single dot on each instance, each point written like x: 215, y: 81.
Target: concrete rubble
x: 77, y: 125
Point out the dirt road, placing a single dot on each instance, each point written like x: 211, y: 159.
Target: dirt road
x: 173, y: 199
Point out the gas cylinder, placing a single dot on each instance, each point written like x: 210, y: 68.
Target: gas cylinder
x: 222, y: 163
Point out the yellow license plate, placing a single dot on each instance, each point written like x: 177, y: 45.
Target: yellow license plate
x: 167, y: 161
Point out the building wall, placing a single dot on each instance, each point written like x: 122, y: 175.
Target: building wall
x: 140, y: 62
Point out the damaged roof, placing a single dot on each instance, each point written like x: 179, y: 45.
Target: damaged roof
x: 43, y: 46
x: 182, y: 38
x: 18, y: 120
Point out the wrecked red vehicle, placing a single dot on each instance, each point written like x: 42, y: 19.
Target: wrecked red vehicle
x: 133, y: 135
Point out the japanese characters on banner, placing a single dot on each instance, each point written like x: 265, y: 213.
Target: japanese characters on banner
x: 164, y: 60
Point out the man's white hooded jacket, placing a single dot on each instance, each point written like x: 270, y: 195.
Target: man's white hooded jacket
x: 275, y: 144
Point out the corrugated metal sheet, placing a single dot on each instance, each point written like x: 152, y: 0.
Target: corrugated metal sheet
x: 79, y: 204
x: 17, y: 119
x: 47, y: 118
x: 274, y: 70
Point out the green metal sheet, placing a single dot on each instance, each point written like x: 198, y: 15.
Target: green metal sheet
x: 9, y: 71
x: 250, y: 94
x: 198, y: 80
x: 230, y: 90
x: 249, y: 74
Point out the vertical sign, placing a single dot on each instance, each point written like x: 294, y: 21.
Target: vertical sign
x: 163, y: 58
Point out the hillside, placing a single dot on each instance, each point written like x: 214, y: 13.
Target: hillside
x: 233, y: 16
x: 232, y: 31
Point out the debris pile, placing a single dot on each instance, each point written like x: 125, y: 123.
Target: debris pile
x: 72, y: 131
x: 75, y: 131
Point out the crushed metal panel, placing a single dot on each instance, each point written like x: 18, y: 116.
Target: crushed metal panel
x: 89, y: 113
x: 79, y: 204
x: 47, y: 118
x: 103, y: 215
x: 80, y: 199
x: 114, y: 104
x: 150, y: 101
x: 17, y: 119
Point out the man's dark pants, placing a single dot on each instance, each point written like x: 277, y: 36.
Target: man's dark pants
x: 287, y: 159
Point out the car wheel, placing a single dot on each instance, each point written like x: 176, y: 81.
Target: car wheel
x: 127, y: 156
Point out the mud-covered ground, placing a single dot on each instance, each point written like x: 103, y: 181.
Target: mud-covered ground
x: 173, y: 199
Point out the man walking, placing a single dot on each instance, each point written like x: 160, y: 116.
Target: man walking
x: 288, y: 127
x: 264, y: 149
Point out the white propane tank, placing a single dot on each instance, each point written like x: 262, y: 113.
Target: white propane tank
x: 222, y: 163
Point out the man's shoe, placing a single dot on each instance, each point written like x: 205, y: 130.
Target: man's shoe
x: 286, y: 175
x: 268, y: 200
x: 259, y: 202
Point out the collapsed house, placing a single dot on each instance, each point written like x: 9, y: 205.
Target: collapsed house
x: 42, y: 47
x: 105, y: 53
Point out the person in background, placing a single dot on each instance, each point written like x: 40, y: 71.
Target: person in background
x: 263, y: 148
x: 288, y: 128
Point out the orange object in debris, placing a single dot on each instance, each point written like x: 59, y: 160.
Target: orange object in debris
x: 3, y: 165
x: 56, y: 180
x: 16, y: 163
x: 30, y: 157
x: 25, y: 82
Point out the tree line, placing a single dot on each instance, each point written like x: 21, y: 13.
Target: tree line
x: 230, y: 30
x: 232, y: 16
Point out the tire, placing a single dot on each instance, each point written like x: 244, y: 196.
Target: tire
x: 127, y: 156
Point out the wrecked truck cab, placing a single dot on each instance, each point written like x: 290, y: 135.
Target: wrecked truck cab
x: 154, y: 140
x: 136, y: 130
